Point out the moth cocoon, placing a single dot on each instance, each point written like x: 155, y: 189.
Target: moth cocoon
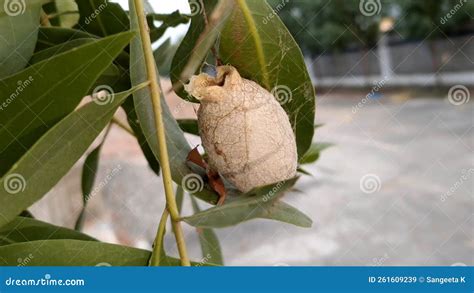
x: 244, y: 130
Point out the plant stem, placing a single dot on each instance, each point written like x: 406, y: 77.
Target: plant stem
x: 44, y: 20
x: 206, y: 22
x: 160, y: 235
x: 122, y: 125
x: 155, y: 91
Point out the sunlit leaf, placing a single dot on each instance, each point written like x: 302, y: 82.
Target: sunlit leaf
x: 256, y: 42
x: 64, y: 8
x: 262, y: 203
x: 51, y: 157
x: 39, y: 96
x: 77, y: 253
x: 178, y: 147
x: 198, y: 41
x: 23, y: 229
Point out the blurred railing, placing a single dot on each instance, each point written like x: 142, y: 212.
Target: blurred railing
x: 446, y: 62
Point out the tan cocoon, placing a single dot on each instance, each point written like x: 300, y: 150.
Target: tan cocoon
x: 244, y: 130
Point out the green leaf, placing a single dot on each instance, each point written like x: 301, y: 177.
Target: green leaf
x: 77, y: 253
x: 109, y: 77
x: 66, y: 19
x: 189, y: 126
x: 132, y: 119
x: 283, y: 212
x: 198, y: 41
x: 161, y: 55
x: 178, y: 147
x: 72, y: 253
x: 38, y: 97
x: 164, y: 55
x: 19, y: 22
x: 53, y: 155
x: 60, y: 48
x: 51, y: 36
x: 23, y: 229
x: 210, y: 247
x: 111, y: 74
x: 179, y: 194
x: 312, y: 155
x: 101, y: 17
x: 167, y: 20
x: 175, y: 18
x: 89, y: 171
x: 263, y: 203
x: 262, y: 49
x: 303, y: 171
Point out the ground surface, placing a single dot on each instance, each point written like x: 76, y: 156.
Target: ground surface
x: 418, y: 152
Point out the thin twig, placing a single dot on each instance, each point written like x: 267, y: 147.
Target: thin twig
x: 160, y: 235
x: 44, y: 20
x: 122, y: 125
x: 155, y: 91
x: 206, y: 22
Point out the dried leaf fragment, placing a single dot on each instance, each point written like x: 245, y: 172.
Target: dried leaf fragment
x: 244, y: 130
x: 213, y: 178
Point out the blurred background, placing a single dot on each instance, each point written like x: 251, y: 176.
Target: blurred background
x: 393, y: 80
